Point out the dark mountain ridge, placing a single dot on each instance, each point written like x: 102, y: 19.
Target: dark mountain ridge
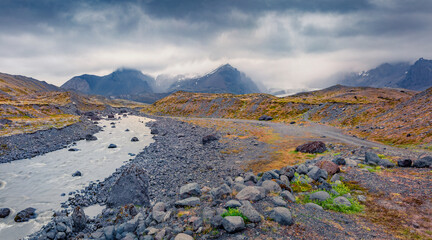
x: 416, y: 77
x: 225, y: 79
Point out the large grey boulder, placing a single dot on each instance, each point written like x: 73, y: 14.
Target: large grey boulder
x: 182, y: 236
x: 271, y: 186
x: 288, y: 196
x: 79, y: 220
x: 278, y: 201
x: 342, y: 201
x: 320, y: 196
x: 282, y: 216
x: 372, y: 158
x: 313, y: 206
x: 269, y: 175
x: 25, y: 215
x: 249, y: 211
x: 221, y: 192
x: 131, y: 186
x: 316, y: 173
x: 302, y: 169
x: 423, y: 162
x: 233, y: 224
x: 250, y: 193
x: 4, y: 212
x: 232, y: 204
x: 249, y: 176
x: 188, y: 202
x: 190, y: 190
x: 386, y: 163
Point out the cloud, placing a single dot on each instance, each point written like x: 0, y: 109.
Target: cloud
x: 282, y: 43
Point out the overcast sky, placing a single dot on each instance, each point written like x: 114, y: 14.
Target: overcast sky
x: 281, y: 43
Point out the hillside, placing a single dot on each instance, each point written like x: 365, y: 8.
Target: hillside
x: 387, y: 115
x: 28, y: 105
x: 225, y: 79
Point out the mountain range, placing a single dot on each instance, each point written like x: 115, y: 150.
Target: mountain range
x: 134, y: 85
x: 398, y: 75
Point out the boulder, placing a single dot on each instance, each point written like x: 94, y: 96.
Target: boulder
x: 314, y: 206
x: 76, y: 174
x: 233, y: 224
x: 288, y: 196
x: 405, y: 163
x: 339, y: 161
x: 112, y: 146
x: 249, y: 176
x: 190, y: 190
x: 288, y: 172
x: 131, y: 186
x: 265, y: 118
x: 372, y: 158
x: 386, y: 163
x: 249, y: 211
x: 269, y: 175
x: 25, y: 215
x: 330, y: 167
x: 316, y: 173
x: 251, y: 193
x: 73, y: 149
x: 271, y: 186
x: 188, y: 202
x: 221, y: 192
x: 154, y: 131
x: 320, y: 196
x: 134, y: 139
x: 90, y: 137
x: 312, y: 147
x: 278, y: 201
x: 302, y: 169
x: 282, y: 216
x: 209, y: 138
x: 342, y: 201
x: 183, y: 236
x: 4, y: 212
x: 79, y: 220
x: 232, y: 204
x: 423, y: 162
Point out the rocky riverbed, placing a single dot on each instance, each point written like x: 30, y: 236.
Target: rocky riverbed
x: 185, y: 186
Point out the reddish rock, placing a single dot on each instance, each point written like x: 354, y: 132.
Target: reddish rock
x: 330, y: 167
x: 312, y: 147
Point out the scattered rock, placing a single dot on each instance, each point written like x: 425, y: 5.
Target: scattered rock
x: 320, y: 196
x: 314, y: 206
x: 131, y: 186
x: 77, y: 174
x: 182, y: 236
x: 278, y: 201
x: 288, y: 196
x: 25, y: 215
x: 361, y: 198
x: 4, y: 212
x: 233, y: 224
x: 188, y: 202
x: 134, y: 139
x: 342, y: 201
x: 423, y: 162
x: 79, y: 220
x: 386, y: 163
x: 330, y: 167
x: 73, y: 149
x: 282, y: 216
x: 232, y: 204
x: 405, y: 163
x: 90, y: 137
x: 312, y: 147
x: 250, y: 193
x: 190, y: 190
x: 209, y: 138
x: 316, y: 173
x: 221, y: 192
x: 372, y: 158
x: 302, y: 169
x: 154, y: 131
x: 271, y: 186
x: 112, y: 146
x: 249, y: 176
x: 339, y: 161
x: 249, y: 211
x: 265, y: 118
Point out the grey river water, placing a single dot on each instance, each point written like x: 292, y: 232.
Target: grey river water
x: 39, y: 182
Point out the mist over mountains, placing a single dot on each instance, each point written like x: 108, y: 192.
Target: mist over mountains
x: 397, y: 75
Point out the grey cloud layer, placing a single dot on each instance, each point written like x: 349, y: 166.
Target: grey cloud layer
x: 278, y: 42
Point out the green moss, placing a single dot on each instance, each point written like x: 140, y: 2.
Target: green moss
x: 234, y: 212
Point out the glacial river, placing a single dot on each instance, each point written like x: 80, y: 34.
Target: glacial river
x: 40, y: 181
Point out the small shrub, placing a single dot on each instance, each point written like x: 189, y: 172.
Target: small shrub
x: 234, y: 212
